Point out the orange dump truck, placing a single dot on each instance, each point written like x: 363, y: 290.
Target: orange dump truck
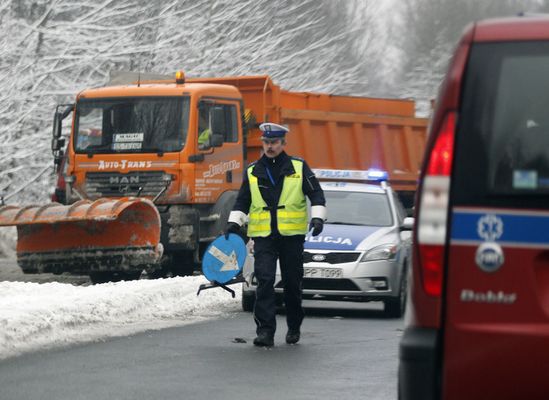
x: 183, y: 145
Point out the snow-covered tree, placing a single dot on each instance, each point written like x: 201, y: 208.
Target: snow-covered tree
x: 430, y: 29
x: 51, y: 49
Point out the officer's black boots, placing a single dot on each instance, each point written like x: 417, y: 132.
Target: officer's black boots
x: 292, y: 337
x: 264, y: 339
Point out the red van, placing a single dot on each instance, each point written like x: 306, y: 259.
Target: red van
x: 477, y: 325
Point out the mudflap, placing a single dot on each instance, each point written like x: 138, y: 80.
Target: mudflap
x: 103, y: 235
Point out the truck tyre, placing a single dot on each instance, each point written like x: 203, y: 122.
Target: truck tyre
x: 395, y: 306
x: 102, y: 277
x: 109, y: 276
x: 182, y: 263
x: 248, y: 301
x: 159, y: 273
x: 222, y: 207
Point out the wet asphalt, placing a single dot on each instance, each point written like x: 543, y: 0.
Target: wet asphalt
x: 348, y: 353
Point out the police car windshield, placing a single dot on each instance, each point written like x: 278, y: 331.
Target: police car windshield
x: 358, y: 208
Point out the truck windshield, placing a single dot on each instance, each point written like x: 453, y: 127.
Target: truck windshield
x: 131, y: 125
x: 358, y: 208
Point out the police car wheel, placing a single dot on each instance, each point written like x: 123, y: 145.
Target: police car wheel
x: 394, y: 307
x: 248, y: 301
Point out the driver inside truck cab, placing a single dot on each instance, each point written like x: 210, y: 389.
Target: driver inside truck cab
x: 204, y: 131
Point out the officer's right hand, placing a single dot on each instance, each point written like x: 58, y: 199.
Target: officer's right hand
x: 232, y: 227
x: 316, y: 225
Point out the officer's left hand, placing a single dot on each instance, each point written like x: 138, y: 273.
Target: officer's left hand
x: 232, y: 227
x: 316, y: 225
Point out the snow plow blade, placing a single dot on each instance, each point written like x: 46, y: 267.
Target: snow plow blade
x: 103, y: 235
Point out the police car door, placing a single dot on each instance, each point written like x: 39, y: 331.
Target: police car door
x: 496, y: 309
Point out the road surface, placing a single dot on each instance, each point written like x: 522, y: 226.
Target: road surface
x: 344, y: 354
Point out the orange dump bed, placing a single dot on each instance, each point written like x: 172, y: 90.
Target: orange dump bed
x: 338, y: 132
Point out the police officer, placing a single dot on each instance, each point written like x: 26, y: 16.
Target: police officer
x: 273, y: 194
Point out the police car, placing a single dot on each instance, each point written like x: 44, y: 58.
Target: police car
x: 364, y: 250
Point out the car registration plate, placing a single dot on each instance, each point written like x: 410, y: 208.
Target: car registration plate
x: 310, y: 272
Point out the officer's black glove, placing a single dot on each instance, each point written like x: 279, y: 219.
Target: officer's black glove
x: 232, y: 227
x: 316, y: 225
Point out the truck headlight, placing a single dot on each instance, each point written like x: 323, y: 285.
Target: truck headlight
x: 383, y: 252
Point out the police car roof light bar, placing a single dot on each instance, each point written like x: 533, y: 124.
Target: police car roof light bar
x: 371, y: 175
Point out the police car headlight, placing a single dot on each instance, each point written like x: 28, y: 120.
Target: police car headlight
x: 383, y: 252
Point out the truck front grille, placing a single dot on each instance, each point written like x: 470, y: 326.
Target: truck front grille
x: 115, y: 184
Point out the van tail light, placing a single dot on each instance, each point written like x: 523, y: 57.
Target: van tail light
x: 432, y: 257
x: 433, y: 211
x: 440, y: 160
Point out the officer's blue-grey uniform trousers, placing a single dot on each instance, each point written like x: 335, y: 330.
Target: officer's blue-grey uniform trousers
x: 289, y: 249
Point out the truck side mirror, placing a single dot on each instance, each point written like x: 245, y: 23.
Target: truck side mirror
x: 58, y: 160
x: 58, y: 118
x: 57, y: 143
x: 57, y: 125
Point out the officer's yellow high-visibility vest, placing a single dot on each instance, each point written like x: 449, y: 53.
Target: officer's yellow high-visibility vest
x: 291, y: 214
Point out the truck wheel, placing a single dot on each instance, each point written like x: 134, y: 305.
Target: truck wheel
x: 223, y: 208
x: 395, y: 306
x: 248, y: 301
x: 182, y: 263
x: 102, y: 277
x: 158, y: 273
x: 129, y: 276
x: 109, y: 276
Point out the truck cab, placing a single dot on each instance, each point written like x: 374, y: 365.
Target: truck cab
x: 184, y: 144
x: 143, y: 140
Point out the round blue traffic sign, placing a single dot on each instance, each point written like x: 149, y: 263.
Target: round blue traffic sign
x: 224, y: 258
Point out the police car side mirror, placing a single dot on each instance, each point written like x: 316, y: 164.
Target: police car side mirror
x: 407, y: 224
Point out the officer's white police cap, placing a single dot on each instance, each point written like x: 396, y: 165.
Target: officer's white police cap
x: 273, y: 131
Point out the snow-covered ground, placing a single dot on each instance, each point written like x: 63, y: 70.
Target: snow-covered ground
x: 37, y: 316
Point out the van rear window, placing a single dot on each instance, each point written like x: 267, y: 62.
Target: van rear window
x: 502, y: 143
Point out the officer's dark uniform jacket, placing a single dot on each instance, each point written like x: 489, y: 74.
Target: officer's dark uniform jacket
x: 279, y: 167
x: 288, y: 248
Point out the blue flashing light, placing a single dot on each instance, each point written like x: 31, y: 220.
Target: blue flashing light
x: 377, y: 175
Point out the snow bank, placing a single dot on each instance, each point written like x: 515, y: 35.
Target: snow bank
x: 37, y: 316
